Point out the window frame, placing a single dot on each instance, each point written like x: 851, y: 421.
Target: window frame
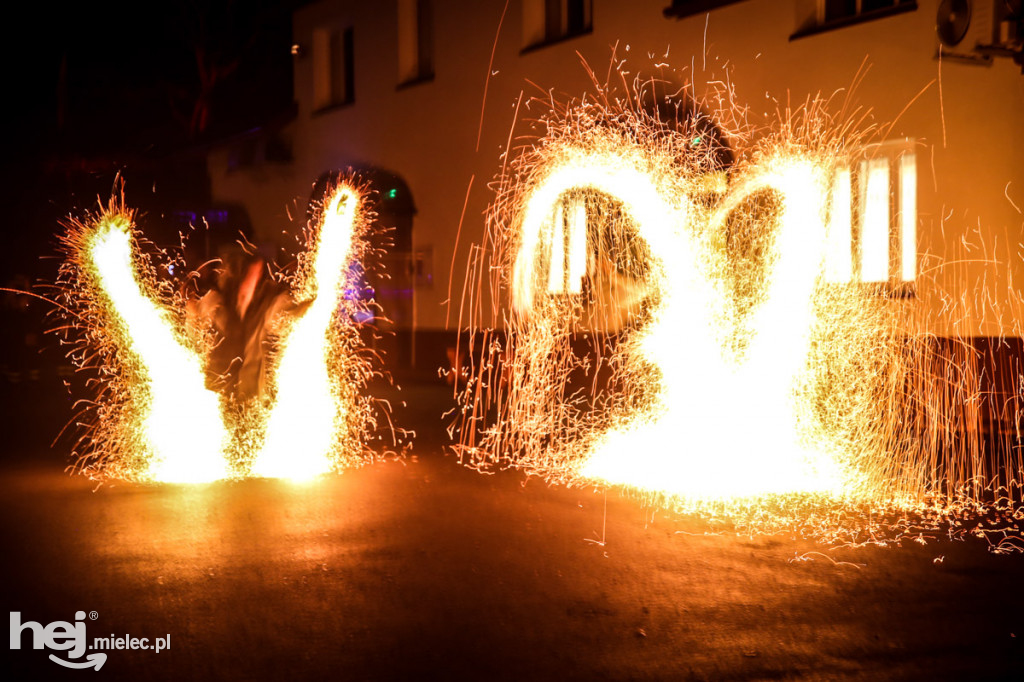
x: 325, y: 60
x: 423, y: 53
x: 900, y: 160
x: 859, y: 16
x: 549, y: 37
x: 680, y: 9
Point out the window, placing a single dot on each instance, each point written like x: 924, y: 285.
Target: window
x: 333, y: 72
x: 255, y: 150
x: 550, y: 21
x: 415, y: 41
x: 826, y: 15
x: 872, y: 231
x: 681, y: 9
x: 830, y: 11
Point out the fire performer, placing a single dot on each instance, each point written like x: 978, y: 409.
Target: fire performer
x: 243, y: 309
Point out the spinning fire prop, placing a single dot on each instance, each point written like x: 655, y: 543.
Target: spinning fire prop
x: 722, y: 336
x: 155, y: 417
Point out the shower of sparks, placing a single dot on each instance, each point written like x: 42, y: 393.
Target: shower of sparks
x: 154, y: 419
x: 731, y: 341
x: 305, y: 417
x: 170, y: 378
x: 699, y: 378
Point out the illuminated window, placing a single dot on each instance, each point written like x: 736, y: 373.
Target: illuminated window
x: 549, y: 21
x: 415, y: 41
x: 907, y: 216
x: 333, y: 70
x: 568, y: 267
x: 874, y: 224
x: 872, y: 230
x: 591, y: 250
x: 839, y: 236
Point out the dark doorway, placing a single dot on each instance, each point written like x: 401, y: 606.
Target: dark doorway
x: 387, y: 270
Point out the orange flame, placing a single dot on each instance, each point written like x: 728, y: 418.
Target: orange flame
x: 302, y: 427
x: 159, y: 422
x: 174, y: 382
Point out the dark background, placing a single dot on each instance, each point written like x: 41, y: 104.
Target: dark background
x: 105, y: 96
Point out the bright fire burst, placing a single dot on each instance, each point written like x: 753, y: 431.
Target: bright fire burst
x: 155, y: 418
x: 697, y: 331
x: 305, y: 417
x: 170, y: 374
x: 698, y: 378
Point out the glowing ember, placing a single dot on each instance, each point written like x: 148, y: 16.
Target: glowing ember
x: 155, y: 418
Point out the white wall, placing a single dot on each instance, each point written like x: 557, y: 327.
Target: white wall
x: 972, y: 136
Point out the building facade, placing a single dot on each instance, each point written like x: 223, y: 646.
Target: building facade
x: 426, y: 96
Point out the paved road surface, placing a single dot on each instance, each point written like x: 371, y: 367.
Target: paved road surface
x: 424, y: 570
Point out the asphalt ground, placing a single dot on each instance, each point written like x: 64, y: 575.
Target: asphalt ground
x: 422, y: 569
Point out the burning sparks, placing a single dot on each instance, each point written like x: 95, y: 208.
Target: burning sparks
x: 752, y: 335
x: 725, y: 335
x: 685, y: 352
x: 155, y: 418
x: 303, y: 422
x: 170, y: 375
x: 699, y: 377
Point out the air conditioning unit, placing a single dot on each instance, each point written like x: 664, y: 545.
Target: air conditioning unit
x: 978, y: 30
x: 962, y: 25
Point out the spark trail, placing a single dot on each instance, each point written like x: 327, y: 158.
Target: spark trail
x: 155, y: 419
